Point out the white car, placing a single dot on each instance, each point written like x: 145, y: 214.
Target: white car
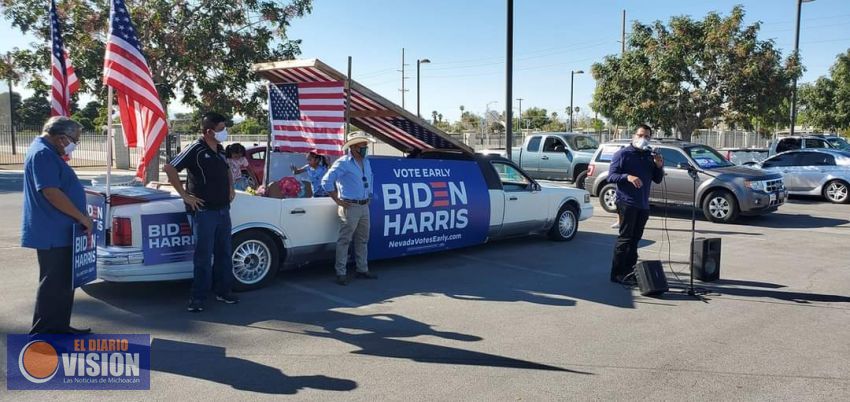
x: 419, y: 206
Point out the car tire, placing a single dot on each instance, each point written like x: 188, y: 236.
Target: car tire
x: 255, y: 260
x: 837, y: 192
x: 579, y: 182
x: 566, y: 224
x: 608, y: 198
x: 720, y: 206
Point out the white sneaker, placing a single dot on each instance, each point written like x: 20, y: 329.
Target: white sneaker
x: 615, y: 225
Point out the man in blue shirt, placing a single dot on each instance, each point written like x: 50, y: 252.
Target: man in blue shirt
x: 633, y: 168
x: 349, y: 183
x: 54, y: 201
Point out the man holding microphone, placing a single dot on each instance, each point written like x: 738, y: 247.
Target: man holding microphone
x: 633, y: 168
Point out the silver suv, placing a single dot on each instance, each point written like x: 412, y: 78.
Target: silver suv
x: 723, y: 191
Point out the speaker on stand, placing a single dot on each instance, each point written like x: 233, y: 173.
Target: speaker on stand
x: 706, y: 259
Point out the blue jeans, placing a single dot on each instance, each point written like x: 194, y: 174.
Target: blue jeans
x: 213, y: 255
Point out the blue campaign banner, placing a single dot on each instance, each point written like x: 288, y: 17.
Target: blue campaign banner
x: 96, y: 208
x: 426, y: 205
x: 84, y: 262
x: 73, y: 362
x: 167, y: 238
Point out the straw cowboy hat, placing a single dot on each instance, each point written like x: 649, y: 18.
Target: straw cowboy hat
x: 357, y: 137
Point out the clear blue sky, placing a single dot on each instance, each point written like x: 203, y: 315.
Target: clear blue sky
x: 465, y: 40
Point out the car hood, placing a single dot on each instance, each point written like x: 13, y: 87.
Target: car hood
x: 746, y: 172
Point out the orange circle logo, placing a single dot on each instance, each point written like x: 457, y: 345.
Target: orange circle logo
x: 38, y: 361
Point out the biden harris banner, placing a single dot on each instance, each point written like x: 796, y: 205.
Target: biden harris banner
x: 425, y: 205
x: 167, y: 238
x: 84, y: 260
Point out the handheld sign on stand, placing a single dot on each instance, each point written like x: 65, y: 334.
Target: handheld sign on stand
x: 84, y: 261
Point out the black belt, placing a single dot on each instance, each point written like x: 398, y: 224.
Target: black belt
x: 358, y: 202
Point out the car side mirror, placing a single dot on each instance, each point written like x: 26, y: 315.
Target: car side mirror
x: 535, y: 186
x: 685, y: 166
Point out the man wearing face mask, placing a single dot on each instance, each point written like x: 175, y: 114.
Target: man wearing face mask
x: 633, y: 168
x: 207, y: 196
x: 54, y: 201
x: 349, y: 183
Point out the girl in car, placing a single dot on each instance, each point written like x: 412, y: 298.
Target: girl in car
x: 236, y: 160
x: 316, y: 167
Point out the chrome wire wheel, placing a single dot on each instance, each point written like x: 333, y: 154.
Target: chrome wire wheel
x: 252, y: 261
x: 567, y: 224
x: 719, y: 207
x: 836, y: 192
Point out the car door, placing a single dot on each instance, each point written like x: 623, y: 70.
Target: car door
x: 522, y: 201
x: 555, y: 159
x: 785, y: 165
x: 677, y: 186
x: 530, y: 161
x: 812, y: 168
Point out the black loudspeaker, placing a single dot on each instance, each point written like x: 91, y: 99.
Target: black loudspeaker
x: 650, y: 278
x: 706, y: 259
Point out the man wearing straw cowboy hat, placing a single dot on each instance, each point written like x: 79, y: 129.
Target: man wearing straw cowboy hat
x: 349, y: 183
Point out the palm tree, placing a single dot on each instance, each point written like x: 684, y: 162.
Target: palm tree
x: 434, y: 115
x: 440, y: 117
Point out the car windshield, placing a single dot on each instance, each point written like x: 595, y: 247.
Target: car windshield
x: 707, y: 158
x: 838, y: 143
x: 582, y: 143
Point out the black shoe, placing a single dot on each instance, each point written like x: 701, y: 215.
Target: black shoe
x: 342, y: 280
x: 366, y: 275
x: 227, y: 299
x: 625, y: 280
x: 195, y: 306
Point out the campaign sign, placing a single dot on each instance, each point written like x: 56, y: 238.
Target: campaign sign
x: 84, y: 262
x: 425, y: 205
x: 101, y: 361
x: 167, y: 238
x: 96, y: 208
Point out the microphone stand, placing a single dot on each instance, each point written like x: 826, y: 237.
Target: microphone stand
x: 693, y: 173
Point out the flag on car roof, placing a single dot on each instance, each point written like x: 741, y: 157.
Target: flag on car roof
x: 126, y: 71
x: 308, y: 116
x: 65, y: 82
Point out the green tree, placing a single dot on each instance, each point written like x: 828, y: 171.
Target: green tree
x: 535, y: 118
x: 203, y: 49
x: 6, y: 105
x: 250, y: 126
x: 34, y: 111
x: 686, y: 72
x: 824, y: 104
x: 88, y: 115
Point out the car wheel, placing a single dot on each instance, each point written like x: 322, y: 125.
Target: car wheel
x: 579, y: 182
x: 255, y: 260
x: 720, y: 206
x: 608, y: 198
x: 837, y: 192
x: 566, y: 224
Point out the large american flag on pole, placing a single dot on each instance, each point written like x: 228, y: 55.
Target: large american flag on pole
x: 308, y: 116
x: 65, y: 81
x: 126, y: 71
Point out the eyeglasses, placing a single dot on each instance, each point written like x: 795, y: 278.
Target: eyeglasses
x: 72, y: 139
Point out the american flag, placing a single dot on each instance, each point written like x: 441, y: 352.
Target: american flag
x: 308, y: 116
x: 126, y: 70
x: 65, y: 82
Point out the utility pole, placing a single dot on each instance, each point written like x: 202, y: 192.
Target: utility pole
x: 623, y: 36
x: 519, y: 121
x: 402, y: 90
x: 509, y: 67
x: 797, y: 55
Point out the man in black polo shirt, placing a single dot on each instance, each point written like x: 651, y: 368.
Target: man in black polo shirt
x: 207, y: 195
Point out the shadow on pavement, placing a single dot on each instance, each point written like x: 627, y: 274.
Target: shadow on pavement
x: 778, y: 220
x: 211, y: 363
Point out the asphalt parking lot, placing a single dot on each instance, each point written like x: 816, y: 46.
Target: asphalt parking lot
x: 523, y: 319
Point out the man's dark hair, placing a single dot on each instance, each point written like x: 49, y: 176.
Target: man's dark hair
x: 645, y: 127
x: 211, y: 120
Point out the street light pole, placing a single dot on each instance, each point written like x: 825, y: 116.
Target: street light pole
x: 509, y: 78
x: 418, y: 62
x: 519, y: 121
x: 797, y: 55
x: 572, y: 77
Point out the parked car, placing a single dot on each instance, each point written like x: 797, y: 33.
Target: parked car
x: 472, y: 200
x: 837, y: 142
x: 745, y: 156
x: 823, y: 172
x: 256, y: 156
x: 554, y: 156
x: 797, y: 142
x: 724, y: 190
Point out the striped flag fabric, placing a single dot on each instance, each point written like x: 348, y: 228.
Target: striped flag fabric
x: 65, y: 82
x: 308, y: 116
x: 125, y: 69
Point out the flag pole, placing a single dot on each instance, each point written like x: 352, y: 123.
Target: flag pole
x: 348, y: 98
x: 109, y: 135
x: 269, y: 88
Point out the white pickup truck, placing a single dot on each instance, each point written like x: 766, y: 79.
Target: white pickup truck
x: 420, y: 206
x: 441, y: 196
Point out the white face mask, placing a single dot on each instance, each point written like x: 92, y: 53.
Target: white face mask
x: 640, y: 143
x: 221, y: 136
x: 69, y: 148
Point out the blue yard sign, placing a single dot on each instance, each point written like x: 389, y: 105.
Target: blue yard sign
x: 96, y: 208
x: 84, y: 262
x: 167, y: 238
x: 425, y: 205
